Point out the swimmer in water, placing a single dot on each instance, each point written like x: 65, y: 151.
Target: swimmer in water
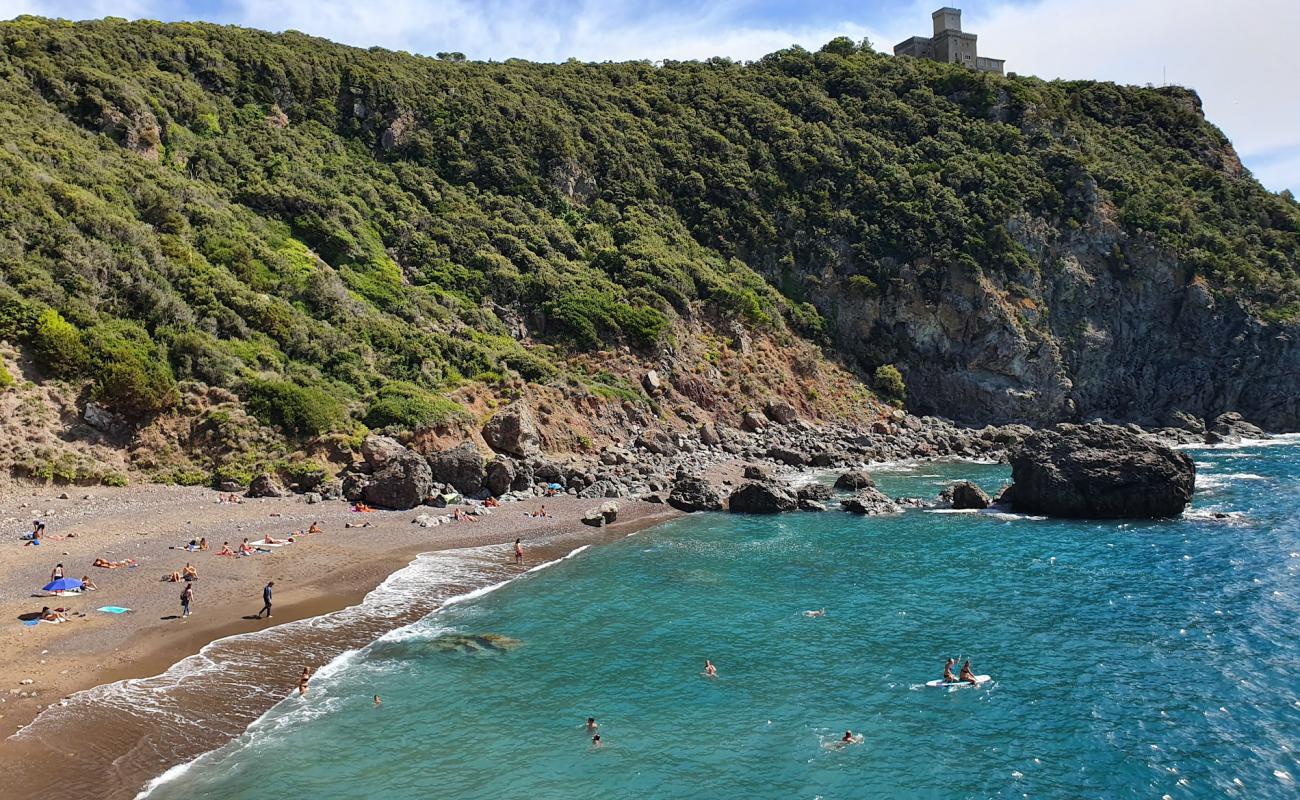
x: 595, y: 741
x: 303, y: 679
x: 821, y: 612
x: 378, y: 702
x: 966, y: 675
x: 948, y: 677
x: 591, y: 724
x: 710, y: 671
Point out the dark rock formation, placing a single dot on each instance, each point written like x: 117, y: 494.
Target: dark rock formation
x: 751, y: 422
x: 461, y: 466
x: 785, y: 455
x: 404, y: 481
x: 513, y: 431
x: 754, y: 472
x: 499, y: 476
x: 854, y: 480
x: 657, y: 442
x: 965, y: 494
x: 1099, y: 471
x: 815, y: 491
x: 780, y: 412
x: 264, y: 486
x: 870, y: 501
x: 597, y: 517
x: 761, y: 498
x: 694, y: 494
x: 810, y: 505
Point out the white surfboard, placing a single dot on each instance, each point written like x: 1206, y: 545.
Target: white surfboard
x: 979, y: 681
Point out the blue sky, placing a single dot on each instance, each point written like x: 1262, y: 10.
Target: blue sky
x: 1230, y: 52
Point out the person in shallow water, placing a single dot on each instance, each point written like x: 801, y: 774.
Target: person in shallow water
x: 595, y: 740
x: 303, y: 679
x: 710, y: 671
x: 591, y: 724
x: 378, y: 702
x: 519, y: 552
x: 948, y: 677
x: 966, y: 675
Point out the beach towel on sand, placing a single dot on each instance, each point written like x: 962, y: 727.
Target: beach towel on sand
x: 113, y: 610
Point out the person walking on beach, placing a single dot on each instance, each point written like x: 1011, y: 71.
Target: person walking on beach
x: 187, y: 597
x: 519, y: 552
x: 266, y: 600
x: 303, y: 679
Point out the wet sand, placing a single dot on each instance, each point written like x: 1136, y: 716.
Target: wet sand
x: 101, y: 748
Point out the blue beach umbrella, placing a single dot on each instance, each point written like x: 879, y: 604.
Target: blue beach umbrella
x: 62, y: 585
x: 554, y: 486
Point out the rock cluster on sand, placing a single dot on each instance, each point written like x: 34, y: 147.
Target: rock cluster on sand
x: 1099, y: 471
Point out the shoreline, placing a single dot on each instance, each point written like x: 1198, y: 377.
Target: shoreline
x: 78, y: 669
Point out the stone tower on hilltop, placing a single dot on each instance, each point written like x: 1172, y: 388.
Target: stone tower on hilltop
x: 949, y: 44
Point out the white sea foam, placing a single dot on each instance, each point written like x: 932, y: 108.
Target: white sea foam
x: 447, y: 566
x: 1271, y: 441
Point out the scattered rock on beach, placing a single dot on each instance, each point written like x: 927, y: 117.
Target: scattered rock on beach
x: 780, y: 412
x: 694, y: 494
x: 461, y: 466
x: 264, y: 486
x: 965, y: 495
x: 1099, y: 471
x: 761, y: 498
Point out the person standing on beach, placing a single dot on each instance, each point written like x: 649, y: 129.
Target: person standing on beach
x: 519, y: 552
x: 56, y: 573
x: 266, y: 600
x: 187, y: 597
x: 303, y: 680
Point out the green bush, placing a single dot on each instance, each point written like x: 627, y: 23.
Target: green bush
x: 58, y: 345
x: 888, y: 382
x: 131, y: 375
x: 6, y: 380
x: 409, y: 407
x: 297, y: 409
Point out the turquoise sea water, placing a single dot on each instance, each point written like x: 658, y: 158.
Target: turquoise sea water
x: 1129, y: 660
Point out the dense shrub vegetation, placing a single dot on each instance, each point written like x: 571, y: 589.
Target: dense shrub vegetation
x: 332, y: 232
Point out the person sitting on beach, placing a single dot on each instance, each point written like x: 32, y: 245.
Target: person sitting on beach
x: 358, y: 525
x: 491, y: 502
x: 710, y: 671
x: 948, y: 677
x: 203, y: 543
x: 225, y: 550
x: 244, y: 548
x: 966, y: 674
x: 550, y: 492
x: 362, y: 508
x: 47, y: 615
x: 34, y: 539
x: 174, y: 577
x: 88, y: 584
x: 189, y: 573
x: 541, y: 512
x: 460, y: 516
x: 99, y: 562
x: 315, y: 528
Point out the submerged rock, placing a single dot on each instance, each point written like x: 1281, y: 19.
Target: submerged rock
x: 1099, y: 471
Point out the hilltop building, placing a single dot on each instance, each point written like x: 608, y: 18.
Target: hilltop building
x: 949, y: 44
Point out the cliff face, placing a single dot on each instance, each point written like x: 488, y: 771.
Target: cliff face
x: 1106, y: 326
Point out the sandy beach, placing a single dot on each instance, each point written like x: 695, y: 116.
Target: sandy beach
x: 315, y: 575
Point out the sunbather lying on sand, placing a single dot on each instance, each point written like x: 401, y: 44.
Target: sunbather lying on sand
x: 460, y: 516
x: 50, y: 615
x: 99, y: 562
x: 174, y: 577
x: 362, y: 507
x: 272, y: 540
x: 357, y: 525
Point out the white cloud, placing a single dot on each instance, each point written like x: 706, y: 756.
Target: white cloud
x: 1233, y: 54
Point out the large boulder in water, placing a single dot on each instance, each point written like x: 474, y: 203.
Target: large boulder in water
x: 402, y: 482
x: 762, y: 498
x: 965, y: 494
x: 854, y: 480
x: 1099, y: 471
x: 461, y: 466
x: 870, y: 501
x: 694, y: 494
x: 513, y: 431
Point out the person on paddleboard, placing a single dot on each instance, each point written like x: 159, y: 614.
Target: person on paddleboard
x: 966, y: 675
x: 948, y: 677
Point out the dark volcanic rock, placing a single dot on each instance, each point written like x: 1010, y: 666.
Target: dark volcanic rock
x: 870, y: 501
x: 785, y: 455
x: 853, y: 480
x: 461, y: 466
x: 1099, y: 471
x: 754, y: 472
x: 967, y: 495
x: 264, y: 486
x: 761, y: 498
x: 403, y: 482
x: 656, y: 441
x: 694, y: 494
x: 512, y: 430
x: 815, y: 491
x: 752, y: 422
x: 780, y: 412
x: 499, y: 476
